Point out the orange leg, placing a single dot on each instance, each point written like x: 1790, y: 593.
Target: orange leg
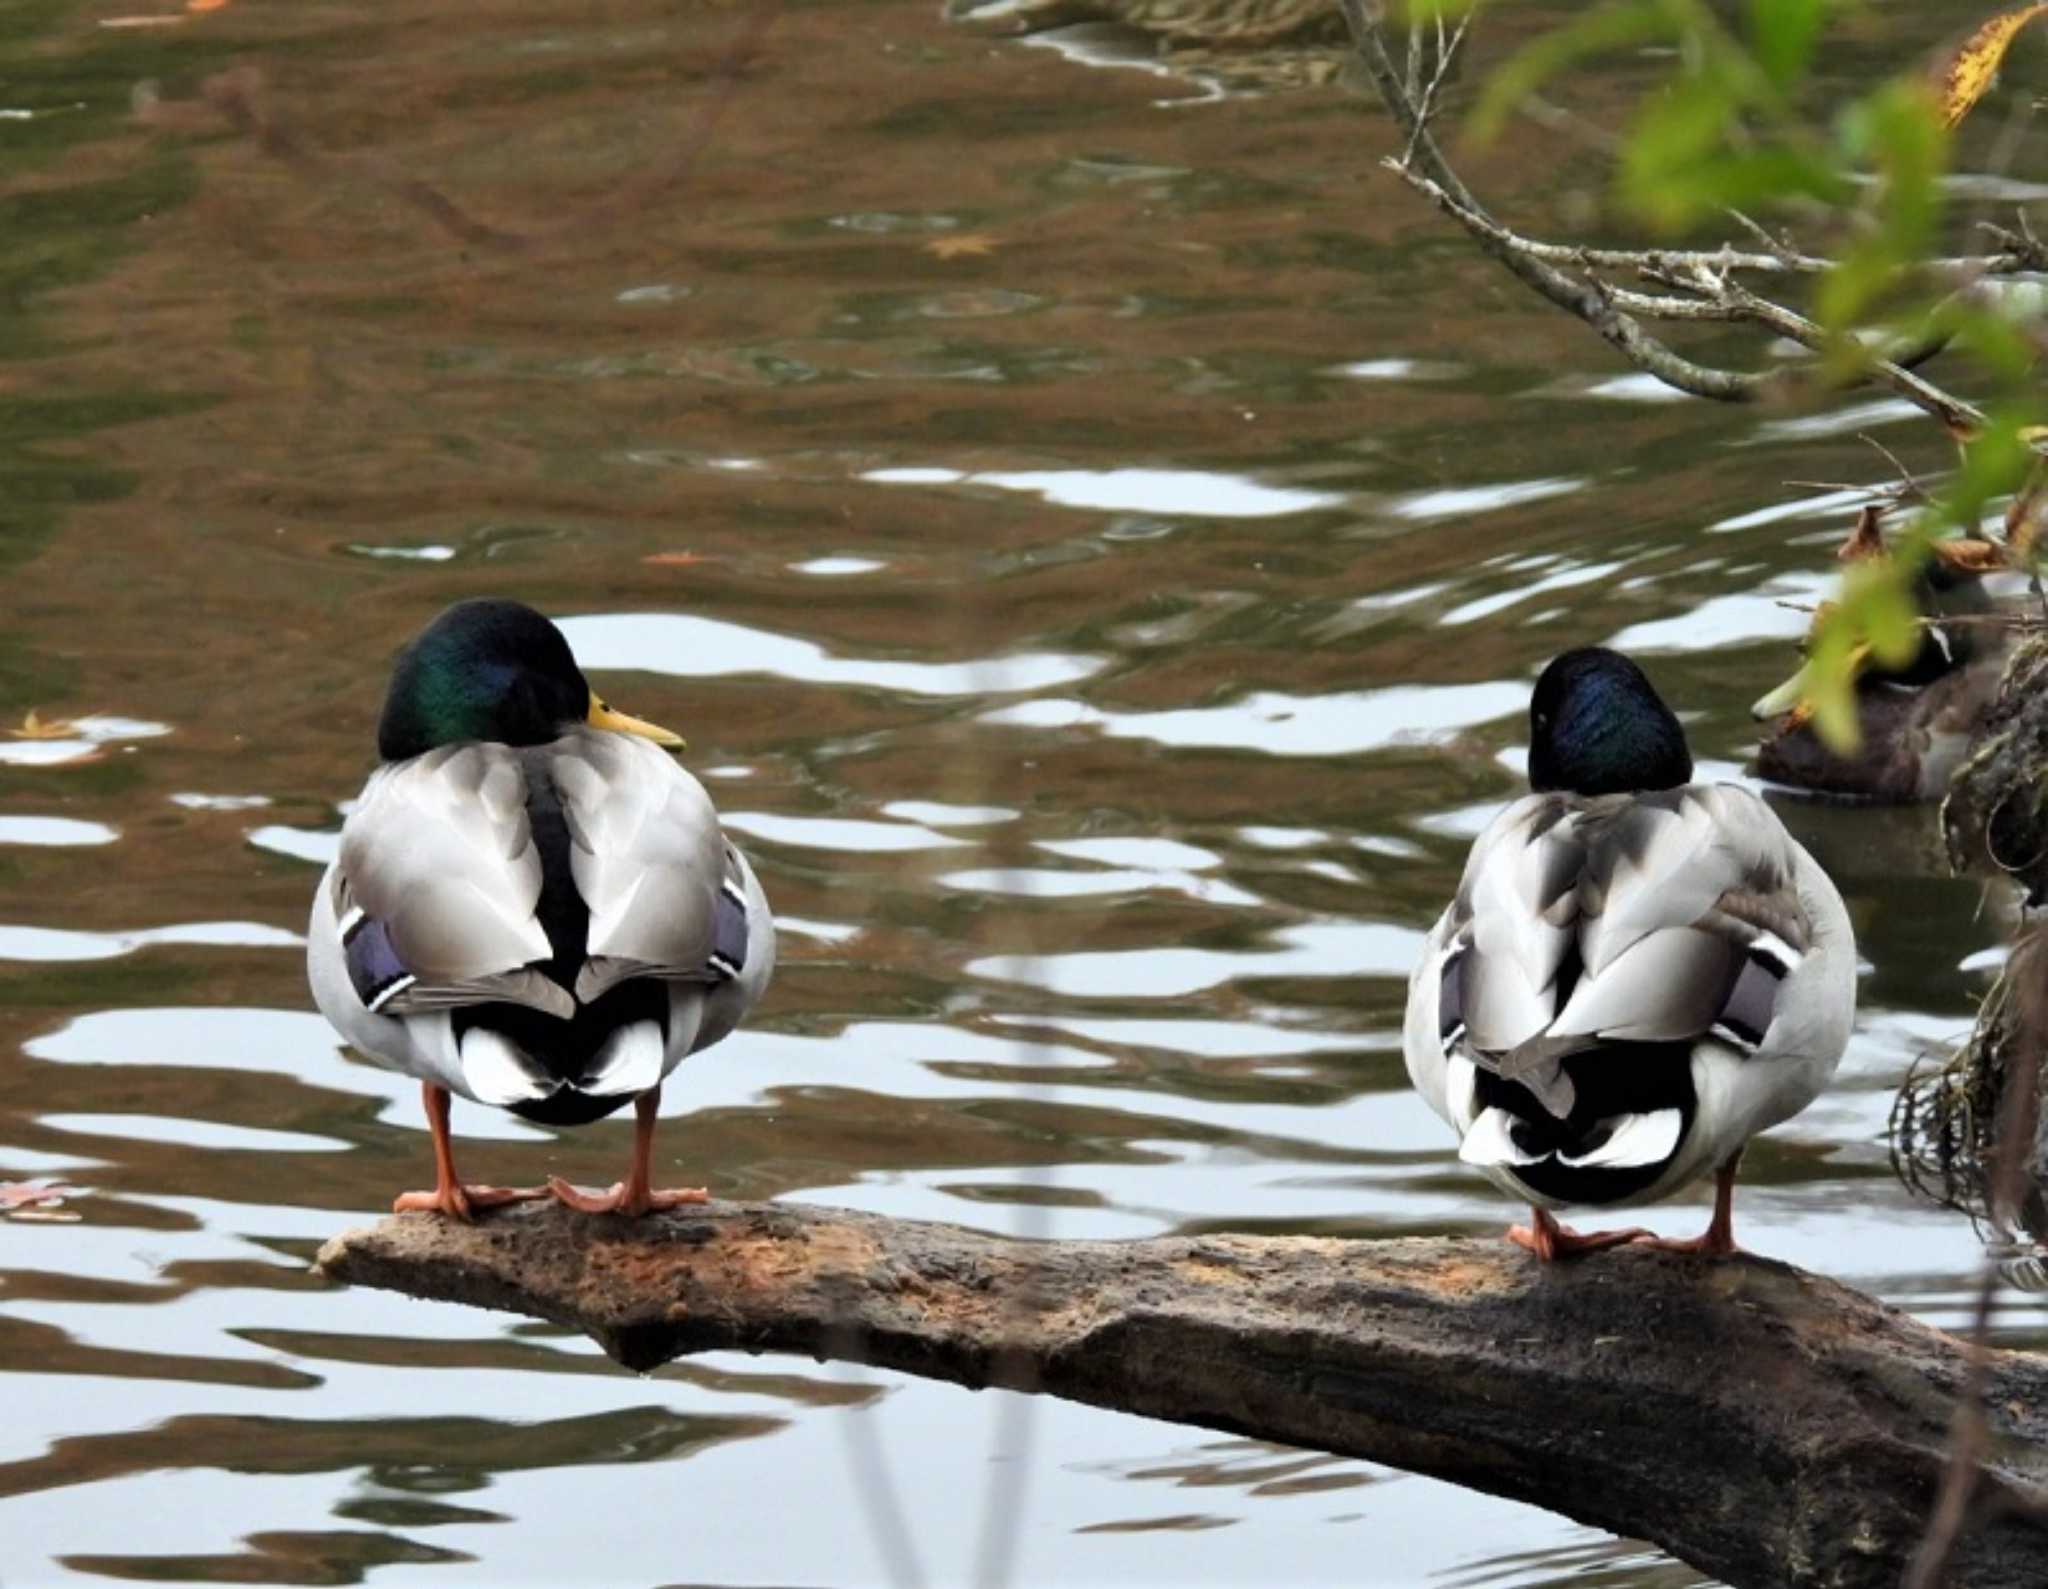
x: 1718, y: 1239
x: 1549, y: 1240
x: 449, y: 1195
x: 634, y: 1195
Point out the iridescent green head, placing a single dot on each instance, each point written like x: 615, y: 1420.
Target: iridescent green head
x: 496, y: 671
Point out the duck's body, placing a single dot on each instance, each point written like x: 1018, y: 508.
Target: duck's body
x: 1917, y: 719
x: 1637, y: 975
x: 528, y: 910
x: 1911, y: 736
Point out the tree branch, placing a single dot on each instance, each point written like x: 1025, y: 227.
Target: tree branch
x: 1767, y: 1425
x: 1617, y: 313
x: 1960, y: 417
x: 1589, y: 300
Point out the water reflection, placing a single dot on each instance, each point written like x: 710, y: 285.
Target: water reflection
x: 1105, y: 639
x: 712, y: 648
x: 1193, y: 493
x: 1287, y: 725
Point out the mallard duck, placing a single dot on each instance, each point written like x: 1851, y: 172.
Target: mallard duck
x: 1638, y: 973
x: 534, y: 906
x: 1917, y: 721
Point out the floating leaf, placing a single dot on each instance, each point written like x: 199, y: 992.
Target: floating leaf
x: 1967, y: 74
x: 965, y: 245
x: 36, y: 726
x: 31, y: 1194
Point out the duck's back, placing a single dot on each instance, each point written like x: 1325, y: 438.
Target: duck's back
x: 1598, y: 947
x: 550, y: 893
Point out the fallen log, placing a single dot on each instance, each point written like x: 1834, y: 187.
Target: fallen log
x: 1767, y: 1425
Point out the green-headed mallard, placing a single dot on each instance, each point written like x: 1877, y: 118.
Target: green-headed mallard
x: 534, y: 905
x: 1638, y: 973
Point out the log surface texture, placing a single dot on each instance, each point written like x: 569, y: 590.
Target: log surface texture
x: 1768, y: 1426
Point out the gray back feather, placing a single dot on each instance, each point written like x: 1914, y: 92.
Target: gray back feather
x: 439, y: 850
x: 1649, y: 903
x: 648, y: 856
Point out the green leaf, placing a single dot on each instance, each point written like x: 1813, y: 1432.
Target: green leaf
x: 1627, y: 24
x: 1786, y: 32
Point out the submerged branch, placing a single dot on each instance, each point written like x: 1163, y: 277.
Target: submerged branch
x: 1769, y: 1426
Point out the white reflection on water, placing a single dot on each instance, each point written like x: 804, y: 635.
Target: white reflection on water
x: 318, y: 845
x: 180, y: 1131
x: 935, y: 814
x: 60, y: 943
x: 1038, y: 883
x: 83, y: 736
x: 1635, y: 388
x: 1265, y: 838
x: 1191, y: 493
x: 1291, y: 725
x: 1162, y: 854
x: 1562, y: 579
x: 1840, y: 422
x: 1129, y: 866
x: 1458, y: 501
x: 837, y: 833
x: 193, y: 801
x: 55, y: 830
x: 1827, y: 505
x: 283, y: 1043
x: 1398, y: 370
x: 1734, y: 620
x: 1212, y: 1039
x: 704, y: 648
x: 1312, y: 949
x: 837, y: 567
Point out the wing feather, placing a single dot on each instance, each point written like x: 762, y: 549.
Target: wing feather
x: 649, y: 858
x: 1626, y: 918
x: 439, y: 856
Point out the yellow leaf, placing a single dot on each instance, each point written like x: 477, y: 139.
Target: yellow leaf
x: 965, y: 245
x: 35, y: 726
x: 1971, y: 70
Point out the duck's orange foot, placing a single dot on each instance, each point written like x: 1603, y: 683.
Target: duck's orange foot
x: 1711, y: 1243
x: 624, y: 1199
x: 462, y: 1202
x: 1550, y: 1241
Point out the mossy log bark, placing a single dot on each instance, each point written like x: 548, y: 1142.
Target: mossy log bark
x: 1767, y: 1425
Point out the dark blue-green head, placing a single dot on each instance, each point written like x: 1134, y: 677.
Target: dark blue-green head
x: 1598, y: 726
x: 497, y: 671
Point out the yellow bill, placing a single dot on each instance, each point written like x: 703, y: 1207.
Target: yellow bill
x: 602, y: 716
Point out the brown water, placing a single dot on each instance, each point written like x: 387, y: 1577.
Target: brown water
x: 1096, y: 533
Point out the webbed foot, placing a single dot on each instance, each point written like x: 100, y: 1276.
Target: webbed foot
x: 625, y: 1198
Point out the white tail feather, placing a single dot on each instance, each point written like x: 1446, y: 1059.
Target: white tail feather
x: 1635, y: 1141
x: 629, y: 1062
x: 1487, y: 1142
x: 497, y: 1072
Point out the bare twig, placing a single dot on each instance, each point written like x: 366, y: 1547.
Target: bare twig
x: 1959, y: 417
x: 1909, y: 488
x: 1447, y: 47
x: 1592, y: 301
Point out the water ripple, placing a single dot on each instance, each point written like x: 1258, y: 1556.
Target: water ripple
x: 1291, y: 725
x: 694, y: 647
